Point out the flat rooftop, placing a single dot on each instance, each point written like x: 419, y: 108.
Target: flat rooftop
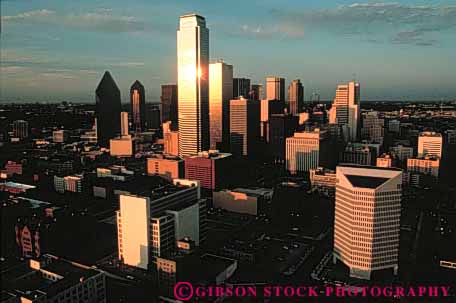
x: 366, y: 181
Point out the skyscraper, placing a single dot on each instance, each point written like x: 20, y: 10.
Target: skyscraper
x: 256, y: 92
x: 138, y: 105
x: 244, y: 126
x: 367, y: 218
x: 124, y: 124
x: 302, y: 151
x: 241, y: 87
x: 281, y: 126
x: 169, y: 103
x: 275, y: 88
x: 430, y: 144
x: 193, y: 78
x: 220, y: 94
x: 108, y: 109
x: 345, y: 110
x: 295, y: 97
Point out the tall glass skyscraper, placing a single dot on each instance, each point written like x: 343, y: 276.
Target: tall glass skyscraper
x: 193, y: 84
x: 108, y: 109
x: 220, y: 94
x: 138, y: 105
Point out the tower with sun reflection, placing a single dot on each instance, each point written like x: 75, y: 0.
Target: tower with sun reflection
x: 193, y: 84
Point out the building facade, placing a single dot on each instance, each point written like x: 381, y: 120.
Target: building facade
x: 367, y: 219
x: 295, y: 97
x: 275, y: 88
x: 138, y: 106
x: 193, y: 83
x: 220, y: 94
x: 430, y: 144
x: 168, y: 100
x: 108, y: 108
x: 244, y: 127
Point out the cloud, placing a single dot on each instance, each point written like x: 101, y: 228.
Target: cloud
x: 404, y: 24
x: 100, y: 20
x: 128, y: 64
x: 36, y: 14
x: 13, y: 69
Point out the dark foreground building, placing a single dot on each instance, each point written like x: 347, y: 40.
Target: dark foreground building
x: 108, y: 108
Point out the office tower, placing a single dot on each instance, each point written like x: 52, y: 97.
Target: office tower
x: 244, y: 126
x: 123, y: 124
x: 361, y: 155
x: 281, y: 126
x: 430, y: 143
x: 152, y: 116
x: 303, y: 150
x: 209, y: 168
x: 427, y: 165
x: 345, y: 110
x: 170, y: 139
x: 220, y: 94
x: 165, y: 166
x: 367, y: 219
x: 275, y: 88
x: 138, y: 106
x: 193, y: 77
x: 373, y: 127
x: 169, y: 106
x: 256, y: 92
x: 268, y: 108
x: 53, y: 279
x: 295, y: 97
x: 108, y: 108
x: 385, y: 161
x: 20, y: 129
x: 145, y: 229
x: 241, y: 87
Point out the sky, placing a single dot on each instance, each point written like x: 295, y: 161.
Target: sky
x: 55, y: 50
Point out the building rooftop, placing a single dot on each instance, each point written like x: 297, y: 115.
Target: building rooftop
x: 366, y: 181
x: 211, y: 154
x: 430, y: 134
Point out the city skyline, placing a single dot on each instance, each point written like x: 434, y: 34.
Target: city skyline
x: 43, y: 43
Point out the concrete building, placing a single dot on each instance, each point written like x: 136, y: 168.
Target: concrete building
x: 220, y: 94
x: 124, y: 124
x: 428, y: 165
x: 302, y: 151
x: 430, y: 144
x: 54, y: 280
x: 209, y: 168
x: 12, y: 167
x: 166, y: 166
x: 170, y: 139
x: 367, y: 219
x: 345, y: 110
x: 373, y: 127
x: 193, y: 83
x: 146, y: 221
x: 356, y: 155
x: 244, y: 127
x: 275, y: 88
x: 385, y: 161
x: 451, y: 135
x: 323, y: 180
x: 121, y: 146
x: 243, y: 201
x: 73, y: 184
